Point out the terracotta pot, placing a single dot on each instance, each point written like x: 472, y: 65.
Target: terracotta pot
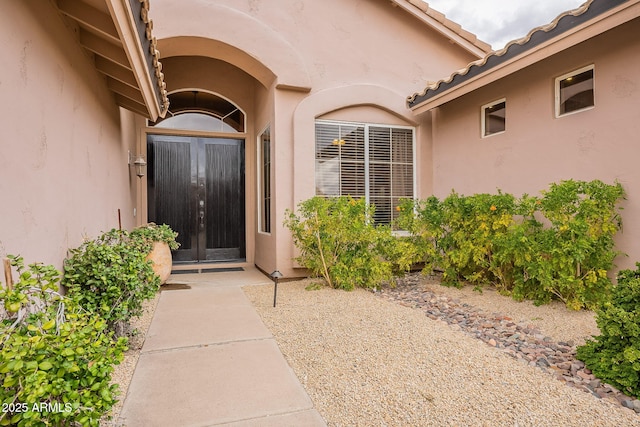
x: 160, y: 255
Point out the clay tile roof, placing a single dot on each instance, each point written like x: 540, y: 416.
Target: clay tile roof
x: 538, y: 35
x: 445, y: 26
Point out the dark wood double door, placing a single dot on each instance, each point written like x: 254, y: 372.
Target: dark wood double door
x: 196, y: 186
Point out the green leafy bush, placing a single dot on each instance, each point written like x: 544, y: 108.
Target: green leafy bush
x: 474, y: 224
x: 424, y: 220
x: 338, y: 241
x: 149, y: 233
x: 614, y: 355
x: 56, y: 359
x: 558, y: 246
x: 111, y: 276
x: 570, y: 257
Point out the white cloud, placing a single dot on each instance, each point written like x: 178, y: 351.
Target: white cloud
x: 499, y: 21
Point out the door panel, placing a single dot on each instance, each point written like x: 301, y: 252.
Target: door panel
x: 196, y: 185
x: 169, y: 187
x: 224, y: 198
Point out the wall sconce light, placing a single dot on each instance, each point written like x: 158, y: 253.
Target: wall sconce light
x: 141, y: 166
x: 275, y: 276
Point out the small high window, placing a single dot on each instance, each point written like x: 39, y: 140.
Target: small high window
x: 494, y: 117
x: 574, y: 91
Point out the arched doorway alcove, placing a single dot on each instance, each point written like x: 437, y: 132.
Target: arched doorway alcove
x: 196, y: 176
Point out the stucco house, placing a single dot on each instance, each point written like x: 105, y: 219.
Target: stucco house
x: 79, y: 79
x: 247, y: 82
x: 563, y: 102
x: 217, y: 116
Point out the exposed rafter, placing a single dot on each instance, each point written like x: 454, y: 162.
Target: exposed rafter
x: 90, y: 17
x: 118, y: 34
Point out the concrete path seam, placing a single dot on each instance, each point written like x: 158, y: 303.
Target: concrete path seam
x: 214, y: 344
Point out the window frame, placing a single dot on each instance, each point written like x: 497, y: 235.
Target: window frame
x: 483, y: 118
x: 557, y: 90
x: 264, y: 192
x: 367, y: 161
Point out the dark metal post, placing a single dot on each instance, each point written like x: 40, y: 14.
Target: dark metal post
x: 275, y: 276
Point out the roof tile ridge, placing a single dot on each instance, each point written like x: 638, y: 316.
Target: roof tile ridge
x: 459, y: 72
x: 519, y: 41
x: 545, y: 28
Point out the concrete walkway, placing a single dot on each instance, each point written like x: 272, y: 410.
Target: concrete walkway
x: 208, y: 360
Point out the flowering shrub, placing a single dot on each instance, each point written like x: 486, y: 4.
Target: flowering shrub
x: 569, y: 258
x: 559, y: 245
x: 458, y: 235
x: 338, y: 241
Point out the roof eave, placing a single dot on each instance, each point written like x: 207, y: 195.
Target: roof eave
x: 610, y: 19
x: 117, y: 34
x: 144, y: 62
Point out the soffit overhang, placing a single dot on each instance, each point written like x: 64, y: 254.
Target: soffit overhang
x: 570, y: 28
x: 117, y: 34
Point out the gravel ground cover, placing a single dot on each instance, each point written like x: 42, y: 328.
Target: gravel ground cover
x: 366, y: 359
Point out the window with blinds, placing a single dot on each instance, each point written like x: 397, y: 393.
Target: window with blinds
x: 365, y: 160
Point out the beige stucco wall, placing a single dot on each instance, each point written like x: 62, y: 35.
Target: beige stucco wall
x: 63, y: 157
x: 537, y: 148
x: 313, y: 58
x: 264, y: 255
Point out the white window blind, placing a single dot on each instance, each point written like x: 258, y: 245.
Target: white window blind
x: 365, y: 160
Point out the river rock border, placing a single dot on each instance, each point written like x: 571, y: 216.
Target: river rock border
x: 519, y: 340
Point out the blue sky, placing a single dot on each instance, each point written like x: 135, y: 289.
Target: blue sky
x: 499, y: 21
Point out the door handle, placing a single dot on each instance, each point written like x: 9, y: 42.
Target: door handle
x: 202, y: 219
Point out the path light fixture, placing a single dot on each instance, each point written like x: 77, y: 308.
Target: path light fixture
x: 275, y: 276
x: 141, y: 166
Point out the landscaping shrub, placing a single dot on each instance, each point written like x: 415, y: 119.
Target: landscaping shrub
x: 474, y: 223
x: 146, y: 235
x: 56, y: 359
x: 570, y: 258
x: 557, y: 246
x: 338, y: 241
x: 614, y: 355
x: 461, y: 236
x: 425, y: 222
x: 111, y: 276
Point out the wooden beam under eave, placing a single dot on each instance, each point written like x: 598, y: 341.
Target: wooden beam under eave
x: 90, y: 17
x: 115, y: 71
x: 101, y: 47
x: 130, y: 105
x: 125, y: 90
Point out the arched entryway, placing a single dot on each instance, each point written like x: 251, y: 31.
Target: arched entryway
x: 196, y: 176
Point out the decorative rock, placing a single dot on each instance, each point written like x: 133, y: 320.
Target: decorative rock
x: 585, y: 376
x: 521, y: 341
x: 543, y: 363
x: 595, y: 383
